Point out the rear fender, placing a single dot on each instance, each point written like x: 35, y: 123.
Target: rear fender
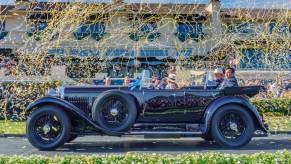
x: 214, y: 106
x: 67, y: 107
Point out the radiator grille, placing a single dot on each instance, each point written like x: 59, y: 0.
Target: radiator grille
x: 84, y: 103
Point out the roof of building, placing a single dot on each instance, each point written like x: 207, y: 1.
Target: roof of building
x: 263, y: 4
x: 229, y: 8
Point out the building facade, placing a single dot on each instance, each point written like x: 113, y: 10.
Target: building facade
x: 137, y: 35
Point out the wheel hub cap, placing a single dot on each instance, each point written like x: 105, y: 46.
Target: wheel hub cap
x: 114, y: 112
x: 233, y: 126
x: 46, y: 128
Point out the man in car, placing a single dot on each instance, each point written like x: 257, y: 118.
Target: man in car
x: 218, y: 76
x: 163, y: 84
x: 230, y: 80
x: 155, y: 83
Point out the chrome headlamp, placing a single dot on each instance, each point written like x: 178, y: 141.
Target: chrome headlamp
x: 58, y: 92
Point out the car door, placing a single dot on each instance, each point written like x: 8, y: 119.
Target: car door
x: 163, y: 105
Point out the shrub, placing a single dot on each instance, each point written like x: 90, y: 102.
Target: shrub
x: 273, y: 107
x: 17, y: 96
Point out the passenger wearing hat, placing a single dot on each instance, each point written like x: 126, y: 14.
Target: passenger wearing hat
x: 171, y: 82
x: 218, y: 76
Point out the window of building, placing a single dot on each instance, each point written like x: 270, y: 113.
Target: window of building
x: 147, y: 30
x: 278, y: 61
x: 252, y: 59
x: 187, y: 31
x: 82, y: 32
x: 279, y: 28
x: 271, y: 27
x: 144, y: 26
x: 257, y: 59
x: 56, y: 51
x: 119, y: 53
x: 96, y: 30
x: 90, y: 52
x: 153, y: 53
x: 36, y: 29
x: 3, y: 33
x: 84, y: 52
x: 283, y: 29
x: 242, y: 28
x: 186, y: 53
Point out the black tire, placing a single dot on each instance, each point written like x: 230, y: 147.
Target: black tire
x: 232, y: 126
x: 54, y: 119
x: 72, y: 137
x: 114, y: 100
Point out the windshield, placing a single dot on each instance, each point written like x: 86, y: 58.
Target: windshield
x: 203, y: 78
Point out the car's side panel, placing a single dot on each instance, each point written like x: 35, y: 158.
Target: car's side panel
x: 68, y: 107
x: 175, y: 105
x: 216, y: 104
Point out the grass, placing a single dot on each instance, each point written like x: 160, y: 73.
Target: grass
x: 12, y: 127
x: 275, y: 124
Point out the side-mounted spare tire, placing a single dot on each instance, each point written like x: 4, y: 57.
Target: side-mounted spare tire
x: 114, y: 111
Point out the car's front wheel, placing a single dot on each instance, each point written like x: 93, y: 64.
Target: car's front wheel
x: 232, y: 126
x: 48, y: 128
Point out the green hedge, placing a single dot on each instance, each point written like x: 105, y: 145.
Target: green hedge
x: 18, y: 95
x: 273, y: 107
x: 195, y: 158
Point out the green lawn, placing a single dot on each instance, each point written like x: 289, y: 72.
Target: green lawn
x: 275, y: 124
x: 12, y: 127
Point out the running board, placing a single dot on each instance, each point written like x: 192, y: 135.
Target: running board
x: 181, y: 127
x: 165, y: 134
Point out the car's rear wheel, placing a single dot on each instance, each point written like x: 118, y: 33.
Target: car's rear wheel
x: 114, y: 111
x: 232, y: 126
x: 48, y: 128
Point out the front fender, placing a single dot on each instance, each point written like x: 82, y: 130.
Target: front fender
x: 68, y: 107
x: 214, y: 106
x: 51, y: 100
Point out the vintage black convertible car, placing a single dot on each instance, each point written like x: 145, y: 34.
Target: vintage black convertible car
x: 225, y: 116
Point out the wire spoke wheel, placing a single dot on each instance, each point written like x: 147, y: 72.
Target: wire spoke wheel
x: 232, y: 126
x: 113, y: 112
x: 47, y: 128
